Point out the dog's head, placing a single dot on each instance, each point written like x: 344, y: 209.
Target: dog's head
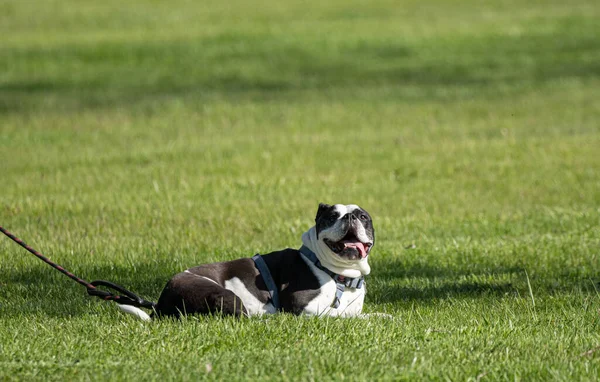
x: 347, y: 230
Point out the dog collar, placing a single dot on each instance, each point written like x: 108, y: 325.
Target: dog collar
x: 341, y: 282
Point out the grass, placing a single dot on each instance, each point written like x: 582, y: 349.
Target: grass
x: 138, y: 139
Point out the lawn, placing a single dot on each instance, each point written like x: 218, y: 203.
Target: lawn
x: 140, y: 138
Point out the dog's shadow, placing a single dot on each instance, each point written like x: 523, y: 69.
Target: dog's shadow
x: 402, y: 282
x: 397, y: 281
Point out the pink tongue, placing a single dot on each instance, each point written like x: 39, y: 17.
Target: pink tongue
x: 358, y: 245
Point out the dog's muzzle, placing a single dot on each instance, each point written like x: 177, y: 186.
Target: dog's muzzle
x: 350, y: 245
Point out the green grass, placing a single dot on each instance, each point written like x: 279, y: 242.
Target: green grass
x: 140, y: 138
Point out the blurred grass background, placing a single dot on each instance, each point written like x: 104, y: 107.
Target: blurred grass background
x: 139, y: 139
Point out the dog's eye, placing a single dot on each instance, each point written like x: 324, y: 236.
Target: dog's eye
x: 363, y: 217
x: 332, y: 218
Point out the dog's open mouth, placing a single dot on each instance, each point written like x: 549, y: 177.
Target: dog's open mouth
x: 349, y: 246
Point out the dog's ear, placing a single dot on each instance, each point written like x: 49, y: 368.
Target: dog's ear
x: 322, y: 208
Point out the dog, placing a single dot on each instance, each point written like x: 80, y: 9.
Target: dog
x: 324, y: 277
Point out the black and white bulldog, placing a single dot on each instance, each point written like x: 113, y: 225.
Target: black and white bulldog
x: 324, y: 277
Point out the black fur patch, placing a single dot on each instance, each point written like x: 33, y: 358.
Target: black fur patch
x: 326, y: 217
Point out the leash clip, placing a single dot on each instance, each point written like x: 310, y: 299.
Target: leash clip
x: 129, y: 297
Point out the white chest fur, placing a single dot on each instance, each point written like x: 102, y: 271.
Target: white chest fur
x: 351, y: 302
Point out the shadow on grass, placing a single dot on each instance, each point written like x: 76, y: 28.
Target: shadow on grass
x: 43, y: 289
x: 46, y: 291
x: 399, y: 281
x: 266, y: 67
x: 447, y: 289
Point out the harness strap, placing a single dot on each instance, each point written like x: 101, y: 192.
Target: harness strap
x: 341, y: 282
x: 262, y: 267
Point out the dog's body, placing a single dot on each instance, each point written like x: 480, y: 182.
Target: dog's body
x: 324, y: 277
x: 237, y: 287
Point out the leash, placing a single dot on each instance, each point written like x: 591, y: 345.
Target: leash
x: 127, y: 297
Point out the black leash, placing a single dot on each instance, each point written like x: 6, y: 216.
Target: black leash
x: 127, y: 297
